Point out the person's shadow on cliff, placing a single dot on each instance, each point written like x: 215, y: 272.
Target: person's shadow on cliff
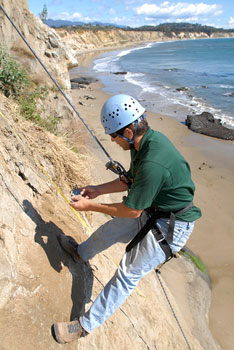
x: 82, y: 275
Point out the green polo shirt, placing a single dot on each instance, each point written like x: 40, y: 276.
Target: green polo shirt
x: 161, y: 177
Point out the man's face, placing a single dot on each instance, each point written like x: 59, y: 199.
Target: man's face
x: 121, y: 142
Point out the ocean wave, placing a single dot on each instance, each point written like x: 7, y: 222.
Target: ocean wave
x: 110, y: 63
x: 165, y: 92
x: 136, y: 79
x: 226, y: 86
x: 169, y: 101
x: 229, y: 94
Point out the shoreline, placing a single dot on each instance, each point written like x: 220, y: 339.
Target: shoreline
x: 177, y: 99
x: 212, y: 239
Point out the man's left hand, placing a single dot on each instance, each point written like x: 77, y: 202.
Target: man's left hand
x: 80, y: 203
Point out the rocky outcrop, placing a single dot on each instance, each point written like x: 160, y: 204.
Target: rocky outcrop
x: 53, y: 52
x: 206, y: 124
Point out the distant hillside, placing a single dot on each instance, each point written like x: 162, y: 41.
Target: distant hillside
x: 168, y: 29
x: 56, y: 23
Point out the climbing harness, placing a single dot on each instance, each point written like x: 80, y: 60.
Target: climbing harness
x: 155, y: 214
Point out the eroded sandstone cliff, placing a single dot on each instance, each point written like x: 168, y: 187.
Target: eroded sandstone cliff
x: 53, y: 52
x: 80, y: 39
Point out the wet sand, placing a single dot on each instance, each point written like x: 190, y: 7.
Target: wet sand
x: 212, y: 166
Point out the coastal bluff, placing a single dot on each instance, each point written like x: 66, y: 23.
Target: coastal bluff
x: 39, y: 282
x: 81, y: 39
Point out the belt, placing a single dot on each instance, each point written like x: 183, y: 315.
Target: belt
x: 154, y: 215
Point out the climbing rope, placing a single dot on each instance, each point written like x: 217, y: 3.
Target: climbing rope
x: 171, y: 307
x: 57, y: 85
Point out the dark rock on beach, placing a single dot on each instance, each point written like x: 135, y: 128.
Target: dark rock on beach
x: 183, y: 88
x: 171, y: 69
x: 77, y: 86
x: 120, y: 73
x: 83, y: 80
x: 206, y: 124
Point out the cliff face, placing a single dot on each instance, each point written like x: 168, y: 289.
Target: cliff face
x: 87, y: 39
x: 39, y: 283
x: 53, y: 52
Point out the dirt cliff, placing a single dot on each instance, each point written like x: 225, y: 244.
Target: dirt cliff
x: 80, y: 39
x: 53, y: 52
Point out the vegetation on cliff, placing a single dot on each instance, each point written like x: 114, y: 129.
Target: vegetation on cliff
x: 15, y: 83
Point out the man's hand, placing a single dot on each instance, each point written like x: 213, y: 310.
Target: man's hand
x: 90, y: 192
x: 80, y: 203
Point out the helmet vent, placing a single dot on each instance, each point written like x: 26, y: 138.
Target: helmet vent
x: 120, y: 110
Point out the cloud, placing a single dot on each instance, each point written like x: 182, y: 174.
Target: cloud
x: 231, y: 21
x: 179, y: 10
x: 76, y: 15
x: 112, y: 11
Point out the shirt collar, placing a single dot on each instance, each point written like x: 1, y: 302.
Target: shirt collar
x: 146, y: 137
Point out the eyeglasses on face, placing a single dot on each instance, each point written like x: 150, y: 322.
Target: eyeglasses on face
x: 114, y: 135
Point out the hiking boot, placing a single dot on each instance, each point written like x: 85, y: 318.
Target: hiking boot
x: 65, y: 332
x: 70, y: 246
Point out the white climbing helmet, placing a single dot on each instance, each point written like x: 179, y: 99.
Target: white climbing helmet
x: 120, y: 111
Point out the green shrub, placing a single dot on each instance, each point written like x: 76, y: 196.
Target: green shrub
x: 15, y: 83
x: 29, y: 109
x: 13, y: 78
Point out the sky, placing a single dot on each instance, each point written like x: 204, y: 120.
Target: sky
x: 135, y: 13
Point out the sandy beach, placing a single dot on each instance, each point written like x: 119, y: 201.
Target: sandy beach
x: 212, y: 166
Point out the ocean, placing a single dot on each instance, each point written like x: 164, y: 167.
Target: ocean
x: 175, y: 78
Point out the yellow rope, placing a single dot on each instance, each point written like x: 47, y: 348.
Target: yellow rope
x: 38, y: 164
x: 64, y: 197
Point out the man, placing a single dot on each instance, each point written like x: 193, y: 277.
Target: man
x: 160, y: 178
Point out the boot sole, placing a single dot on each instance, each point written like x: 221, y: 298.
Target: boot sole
x: 55, y: 334
x: 74, y: 257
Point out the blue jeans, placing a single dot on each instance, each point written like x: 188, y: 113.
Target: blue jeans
x: 135, y: 264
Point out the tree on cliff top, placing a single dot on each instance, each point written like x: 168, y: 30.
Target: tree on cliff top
x: 43, y: 14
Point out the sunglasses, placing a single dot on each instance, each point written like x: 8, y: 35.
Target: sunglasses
x: 114, y: 135
x: 117, y: 133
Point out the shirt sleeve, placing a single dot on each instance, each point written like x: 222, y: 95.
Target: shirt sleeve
x: 146, y: 185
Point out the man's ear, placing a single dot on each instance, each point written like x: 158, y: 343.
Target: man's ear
x: 128, y: 133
